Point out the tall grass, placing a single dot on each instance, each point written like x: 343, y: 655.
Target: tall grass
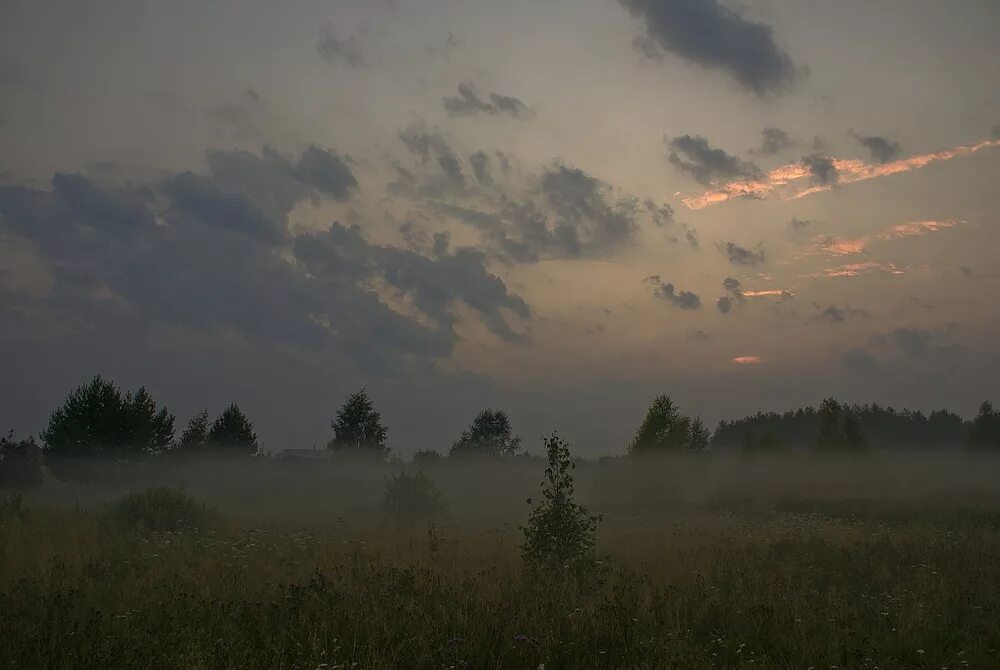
x: 815, y: 579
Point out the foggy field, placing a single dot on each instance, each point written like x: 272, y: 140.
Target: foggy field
x: 711, y: 561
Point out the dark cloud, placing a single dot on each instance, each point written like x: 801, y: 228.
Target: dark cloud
x: 334, y: 49
x: 424, y: 143
x: 967, y: 272
x: 570, y: 215
x: 427, y: 144
x: 662, y: 215
x: 996, y: 132
x: 774, y: 140
x: 452, y: 168
x: 732, y: 285
x: 918, y: 345
x: 695, y: 157
x: 822, y: 168
x: 215, y: 257
x: 834, y: 314
x: 504, y: 162
x: 327, y: 172
x: 710, y: 34
x: 668, y: 293
x: 469, y: 103
x: 480, y: 162
x: 881, y: 149
x: 740, y: 255
x: 797, y: 225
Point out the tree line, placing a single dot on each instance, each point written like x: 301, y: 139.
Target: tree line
x: 98, y: 419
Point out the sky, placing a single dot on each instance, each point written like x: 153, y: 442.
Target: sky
x: 562, y: 209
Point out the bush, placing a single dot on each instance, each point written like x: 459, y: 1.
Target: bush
x: 410, y: 499
x: 20, y: 463
x: 159, y: 509
x: 560, y: 534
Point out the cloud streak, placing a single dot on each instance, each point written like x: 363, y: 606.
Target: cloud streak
x: 848, y: 171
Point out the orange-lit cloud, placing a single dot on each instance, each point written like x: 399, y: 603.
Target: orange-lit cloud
x: 843, y: 247
x: 855, y: 269
x: 917, y: 228
x: 748, y: 360
x: 835, y: 247
x: 849, y: 171
x: 766, y: 292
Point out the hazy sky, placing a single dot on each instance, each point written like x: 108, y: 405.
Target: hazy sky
x: 560, y: 208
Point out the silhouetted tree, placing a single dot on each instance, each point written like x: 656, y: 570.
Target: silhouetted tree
x: 358, y: 428
x: 97, y: 419
x: 985, y: 430
x: 233, y: 431
x: 665, y: 429
x: 147, y: 426
x: 195, y: 436
x: 489, y: 435
x: 20, y: 463
x: 839, y: 430
x: 699, y: 436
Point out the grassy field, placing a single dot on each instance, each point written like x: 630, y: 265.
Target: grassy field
x: 753, y: 564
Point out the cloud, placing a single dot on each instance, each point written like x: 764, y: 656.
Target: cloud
x: 668, y: 293
x: 427, y: 145
x: 469, y: 103
x: 569, y: 214
x: 452, y: 168
x: 774, y: 141
x: 662, y: 214
x: 748, y: 360
x: 740, y: 255
x: 218, y: 255
x: 710, y: 34
x: 797, y: 225
x: 697, y: 335
x: 833, y: 246
x: 695, y: 157
x: 335, y: 50
x: 881, y: 149
x: 822, y: 168
x: 724, y: 304
x: 782, y: 179
x: 856, y: 269
x: 834, y: 314
x: 480, y: 162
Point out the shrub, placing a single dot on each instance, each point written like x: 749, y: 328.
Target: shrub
x: 20, y: 463
x: 159, y: 509
x: 560, y: 534
x: 410, y: 499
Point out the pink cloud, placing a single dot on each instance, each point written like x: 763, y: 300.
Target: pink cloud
x: 849, y: 171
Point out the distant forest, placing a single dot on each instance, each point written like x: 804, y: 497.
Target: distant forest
x: 881, y: 427
x: 98, y: 419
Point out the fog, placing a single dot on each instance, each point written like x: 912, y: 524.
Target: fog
x: 492, y: 494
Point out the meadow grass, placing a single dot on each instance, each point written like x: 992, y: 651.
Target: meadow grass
x: 800, y: 582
